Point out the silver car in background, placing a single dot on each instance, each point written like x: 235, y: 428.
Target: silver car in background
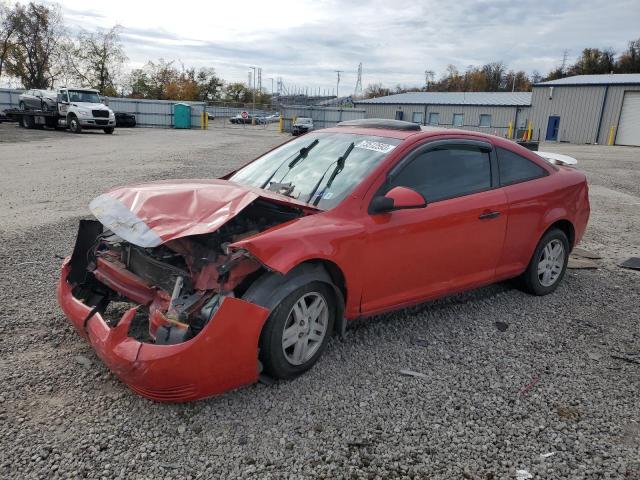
x: 38, y: 100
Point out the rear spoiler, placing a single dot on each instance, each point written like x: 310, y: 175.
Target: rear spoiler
x: 557, y: 158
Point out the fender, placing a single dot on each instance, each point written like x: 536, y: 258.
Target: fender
x: 273, y: 287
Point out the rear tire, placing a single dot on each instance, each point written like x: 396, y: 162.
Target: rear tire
x: 74, y: 124
x: 294, y: 337
x: 109, y: 130
x: 548, y: 264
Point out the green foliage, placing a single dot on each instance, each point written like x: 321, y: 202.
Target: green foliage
x: 95, y: 59
x: 36, y: 49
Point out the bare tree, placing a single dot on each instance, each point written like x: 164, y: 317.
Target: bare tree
x: 7, y: 32
x: 95, y: 59
x: 34, y: 57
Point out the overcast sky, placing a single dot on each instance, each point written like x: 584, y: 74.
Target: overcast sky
x: 396, y: 40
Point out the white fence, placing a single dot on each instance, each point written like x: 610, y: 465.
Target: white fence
x: 149, y: 113
x: 323, y: 117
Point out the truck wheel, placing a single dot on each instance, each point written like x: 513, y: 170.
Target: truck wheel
x: 74, y: 124
x: 28, y: 121
x: 109, y: 130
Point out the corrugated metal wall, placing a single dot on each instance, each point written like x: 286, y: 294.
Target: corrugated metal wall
x: 578, y: 109
x: 323, y: 117
x: 613, y: 107
x: 9, y: 98
x: 155, y: 113
x: 500, y: 116
x: 149, y: 113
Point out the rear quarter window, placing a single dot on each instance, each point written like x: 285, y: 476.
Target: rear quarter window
x: 515, y: 168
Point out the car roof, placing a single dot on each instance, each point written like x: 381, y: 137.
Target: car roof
x: 422, y: 132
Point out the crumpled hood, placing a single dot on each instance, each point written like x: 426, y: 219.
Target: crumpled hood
x: 151, y: 214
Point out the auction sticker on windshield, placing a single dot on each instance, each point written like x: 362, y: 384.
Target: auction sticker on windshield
x: 375, y: 146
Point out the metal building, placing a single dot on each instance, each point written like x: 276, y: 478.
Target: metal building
x: 489, y: 112
x: 603, y: 109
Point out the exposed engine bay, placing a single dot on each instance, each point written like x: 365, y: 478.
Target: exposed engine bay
x: 179, y: 284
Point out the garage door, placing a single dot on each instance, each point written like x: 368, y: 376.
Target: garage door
x: 629, y: 127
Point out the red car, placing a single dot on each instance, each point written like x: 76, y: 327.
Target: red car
x: 190, y: 288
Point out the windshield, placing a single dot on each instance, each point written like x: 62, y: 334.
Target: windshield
x: 83, y: 96
x: 317, y: 155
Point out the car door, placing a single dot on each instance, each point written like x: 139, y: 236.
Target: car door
x: 453, y: 243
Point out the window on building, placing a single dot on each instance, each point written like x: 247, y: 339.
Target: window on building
x: 416, y: 117
x: 446, y: 173
x: 434, y: 118
x: 458, y: 119
x: 514, y: 168
x: 485, y: 120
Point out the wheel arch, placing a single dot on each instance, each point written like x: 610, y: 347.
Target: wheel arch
x: 567, y: 228
x: 273, y: 287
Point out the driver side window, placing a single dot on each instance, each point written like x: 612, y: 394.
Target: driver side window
x: 447, y: 172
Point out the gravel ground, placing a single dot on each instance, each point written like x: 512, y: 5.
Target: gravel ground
x: 508, y: 382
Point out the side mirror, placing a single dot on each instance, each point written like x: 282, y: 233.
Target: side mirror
x: 397, y: 198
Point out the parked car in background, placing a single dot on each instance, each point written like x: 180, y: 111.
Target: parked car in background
x: 251, y: 273
x: 239, y: 119
x: 273, y: 118
x: 301, y: 126
x: 124, y: 119
x: 46, y: 100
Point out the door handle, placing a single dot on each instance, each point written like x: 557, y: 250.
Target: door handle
x: 489, y: 215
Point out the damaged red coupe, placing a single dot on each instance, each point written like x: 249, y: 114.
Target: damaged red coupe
x: 190, y: 288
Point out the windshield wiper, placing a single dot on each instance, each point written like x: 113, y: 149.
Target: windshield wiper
x: 302, y: 154
x: 338, y: 168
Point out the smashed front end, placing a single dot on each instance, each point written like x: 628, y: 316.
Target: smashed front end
x: 169, y: 320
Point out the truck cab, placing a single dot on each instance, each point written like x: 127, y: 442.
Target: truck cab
x: 85, y: 108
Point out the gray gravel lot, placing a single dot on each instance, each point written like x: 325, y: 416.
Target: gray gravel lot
x: 545, y: 395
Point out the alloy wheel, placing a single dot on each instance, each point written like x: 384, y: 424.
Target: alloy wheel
x: 551, y: 263
x: 305, y: 328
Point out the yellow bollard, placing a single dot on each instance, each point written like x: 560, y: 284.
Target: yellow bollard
x: 510, y: 130
x: 530, y: 131
x: 281, y: 124
x: 201, y: 120
x: 612, y: 135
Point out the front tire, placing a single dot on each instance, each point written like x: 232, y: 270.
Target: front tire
x: 297, y: 331
x: 109, y: 130
x: 548, y: 263
x: 74, y: 124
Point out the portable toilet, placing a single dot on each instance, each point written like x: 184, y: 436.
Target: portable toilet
x: 181, y: 115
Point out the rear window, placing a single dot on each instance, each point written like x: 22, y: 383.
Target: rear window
x: 515, y: 168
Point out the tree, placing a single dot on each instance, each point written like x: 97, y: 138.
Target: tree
x: 209, y: 84
x: 594, y: 61
x: 375, y: 90
x: 7, y: 33
x: 95, y: 59
x: 237, y: 92
x: 35, y: 54
x: 629, y: 61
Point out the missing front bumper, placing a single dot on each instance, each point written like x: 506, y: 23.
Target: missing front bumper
x: 223, y: 356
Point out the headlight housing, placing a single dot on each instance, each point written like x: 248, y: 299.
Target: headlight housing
x: 84, y: 113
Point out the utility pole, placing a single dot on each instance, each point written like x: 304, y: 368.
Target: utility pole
x: 338, y: 82
x: 358, y: 90
x: 253, y: 112
x: 428, y: 78
x: 565, y: 53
